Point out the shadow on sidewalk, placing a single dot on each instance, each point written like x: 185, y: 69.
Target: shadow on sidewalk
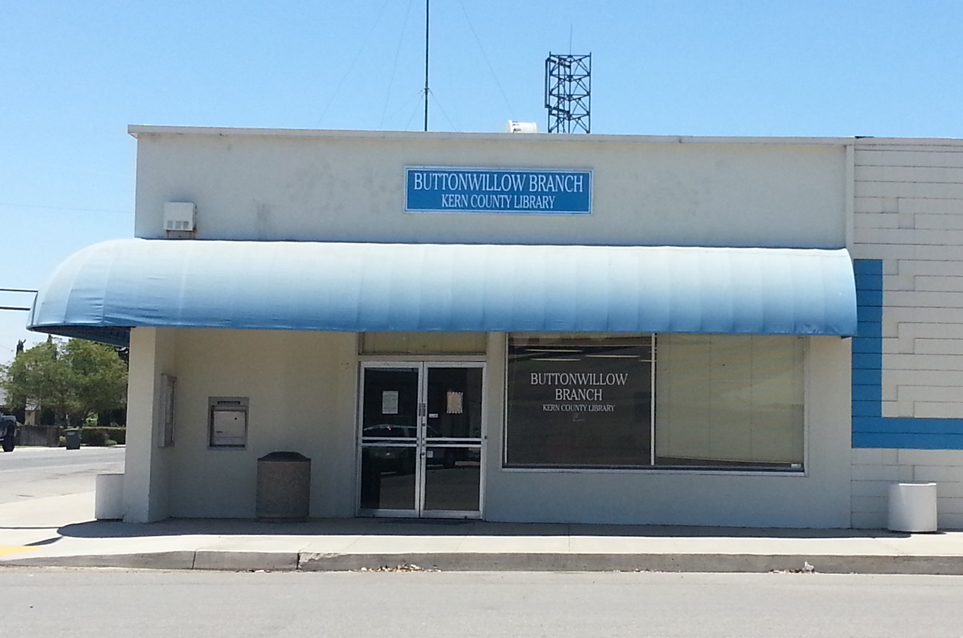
x: 422, y: 527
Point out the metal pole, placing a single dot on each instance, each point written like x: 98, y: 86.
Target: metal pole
x: 19, y: 290
x: 426, y: 65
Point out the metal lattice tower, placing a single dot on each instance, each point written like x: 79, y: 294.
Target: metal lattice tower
x: 568, y: 93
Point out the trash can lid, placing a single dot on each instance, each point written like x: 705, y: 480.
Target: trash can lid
x: 285, y: 457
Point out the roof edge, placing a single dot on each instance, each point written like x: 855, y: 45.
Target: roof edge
x: 137, y: 130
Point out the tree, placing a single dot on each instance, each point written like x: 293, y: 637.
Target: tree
x: 74, y: 379
x: 99, y: 376
x: 39, y: 375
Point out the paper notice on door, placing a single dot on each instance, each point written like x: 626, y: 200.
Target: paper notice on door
x: 389, y: 402
x: 456, y: 402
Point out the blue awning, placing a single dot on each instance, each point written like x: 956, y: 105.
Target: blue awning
x: 102, y: 291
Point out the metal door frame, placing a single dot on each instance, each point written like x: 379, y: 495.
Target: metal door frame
x: 421, y: 443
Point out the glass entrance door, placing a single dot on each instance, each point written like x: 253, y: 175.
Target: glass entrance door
x: 421, y: 439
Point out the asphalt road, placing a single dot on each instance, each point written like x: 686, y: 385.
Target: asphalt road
x: 103, y: 604
x: 35, y: 472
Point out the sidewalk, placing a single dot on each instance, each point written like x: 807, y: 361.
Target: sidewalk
x: 59, y: 531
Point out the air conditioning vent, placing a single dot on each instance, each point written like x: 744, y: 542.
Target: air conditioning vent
x: 177, y: 224
x: 179, y: 216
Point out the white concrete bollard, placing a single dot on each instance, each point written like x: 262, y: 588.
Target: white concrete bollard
x: 912, y: 507
x: 109, y: 497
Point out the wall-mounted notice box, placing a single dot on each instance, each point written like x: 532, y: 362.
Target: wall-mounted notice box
x: 228, y: 421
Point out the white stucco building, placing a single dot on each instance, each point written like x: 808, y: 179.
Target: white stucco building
x: 619, y: 329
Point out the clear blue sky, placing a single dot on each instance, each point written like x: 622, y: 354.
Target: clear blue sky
x: 74, y: 74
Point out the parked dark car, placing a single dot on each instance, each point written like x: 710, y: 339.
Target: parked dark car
x: 8, y: 432
x: 402, y: 459
x: 392, y: 459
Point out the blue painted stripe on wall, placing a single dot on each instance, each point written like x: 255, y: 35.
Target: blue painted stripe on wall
x: 868, y: 267
x: 868, y: 393
x: 870, y: 314
x: 868, y: 377
x: 869, y: 428
x: 869, y: 282
x: 865, y: 298
x: 866, y: 409
x: 871, y: 361
x: 906, y: 425
x: 867, y: 346
x: 908, y: 441
x: 869, y: 330
x: 869, y: 299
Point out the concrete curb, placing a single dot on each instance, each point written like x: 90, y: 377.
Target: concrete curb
x: 719, y: 563
x: 564, y: 562
x: 155, y: 560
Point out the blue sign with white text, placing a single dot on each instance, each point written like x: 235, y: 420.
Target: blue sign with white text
x: 498, y: 190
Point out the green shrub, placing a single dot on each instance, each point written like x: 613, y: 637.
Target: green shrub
x: 103, y: 436
x: 93, y: 436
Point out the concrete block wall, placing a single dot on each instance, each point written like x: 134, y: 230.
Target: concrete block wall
x: 874, y: 469
x: 908, y: 219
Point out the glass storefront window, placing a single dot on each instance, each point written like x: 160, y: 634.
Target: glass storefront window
x: 729, y: 401
x: 720, y: 401
x: 579, y: 403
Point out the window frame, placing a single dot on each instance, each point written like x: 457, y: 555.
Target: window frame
x: 801, y: 471
x: 582, y: 339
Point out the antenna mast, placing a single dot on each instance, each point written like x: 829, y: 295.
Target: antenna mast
x: 426, y: 65
x: 568, y: 93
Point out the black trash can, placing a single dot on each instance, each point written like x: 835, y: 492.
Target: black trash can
x: 283, y: 486
x: 72, y: 438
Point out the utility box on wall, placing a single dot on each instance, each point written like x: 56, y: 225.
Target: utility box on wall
x: 228, y: 422
x: 179, y: 217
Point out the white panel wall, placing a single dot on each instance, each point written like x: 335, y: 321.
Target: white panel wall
x: 301, y: 387
x: 875, y: 469
x: 147, y: 467
x: 302, y: 396
x: 820, y: 498
x: 349, y: 186
x: 908, y: 211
